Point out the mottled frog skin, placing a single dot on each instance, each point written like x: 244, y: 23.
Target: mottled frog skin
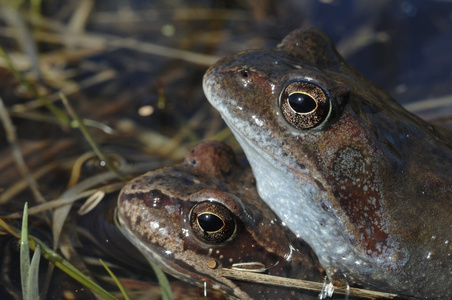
x: 364, y: 182
x: 204, y: 214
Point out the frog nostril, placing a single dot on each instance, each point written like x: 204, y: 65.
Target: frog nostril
x: 244, y: 73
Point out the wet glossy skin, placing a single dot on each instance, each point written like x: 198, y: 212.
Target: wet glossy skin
x: 367, y: 184
x: 162, y: 213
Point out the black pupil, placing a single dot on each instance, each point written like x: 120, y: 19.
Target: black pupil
x: 210, y: 222
x: 302, y: 103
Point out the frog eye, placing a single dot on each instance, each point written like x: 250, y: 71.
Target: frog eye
x: 305, y: 105
x: 212, y: 222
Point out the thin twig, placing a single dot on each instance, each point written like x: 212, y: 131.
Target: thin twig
x: 105, y: 40
x: 69, y: 88
x: 59, y: 114
x: 300, y: 284
x: 430, y: 103
x: 20, y: 185
x: 89, y: 138
x: 23, y: 36
x: 79, y: 18
x: 20, y: 162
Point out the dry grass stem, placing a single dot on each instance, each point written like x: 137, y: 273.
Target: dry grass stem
x: 12, y: 139
x: 19, y: 186
x: 300, y: 284
x: 431, y: 103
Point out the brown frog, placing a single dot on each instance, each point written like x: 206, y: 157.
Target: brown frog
x: 365, y: 183
x: 203, y: 215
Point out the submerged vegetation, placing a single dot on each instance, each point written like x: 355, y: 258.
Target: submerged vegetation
x: 75, y: 132
x: 93, y: 93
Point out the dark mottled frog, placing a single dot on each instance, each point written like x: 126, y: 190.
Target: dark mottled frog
x: 365, y: 183
x: 203, y: 215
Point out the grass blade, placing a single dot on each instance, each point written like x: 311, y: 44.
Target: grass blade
x: 24, y: 253
x: 33, y: 276
x: 116, y: 280
x: 163, y: 281
x: 88, y: 137
x: 60, y: 262
x: 161, y: 277
x: 58, y: 113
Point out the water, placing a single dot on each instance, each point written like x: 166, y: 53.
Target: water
x: 154, y: 104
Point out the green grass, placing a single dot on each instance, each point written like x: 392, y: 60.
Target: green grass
x: 29, y: 271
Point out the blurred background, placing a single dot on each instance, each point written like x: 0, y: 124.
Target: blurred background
x: 132, y: 71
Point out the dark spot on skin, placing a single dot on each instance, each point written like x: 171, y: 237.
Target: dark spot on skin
x: 156, y: 178
x: 393, y: 148
x: 326, y: 208
x: 155, y: 193
x: 193, y: 162
x: 319, y: 185
x: 187, y: 181
x: 301, y: 166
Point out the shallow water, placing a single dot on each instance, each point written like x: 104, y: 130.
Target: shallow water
x: 122, y: 74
